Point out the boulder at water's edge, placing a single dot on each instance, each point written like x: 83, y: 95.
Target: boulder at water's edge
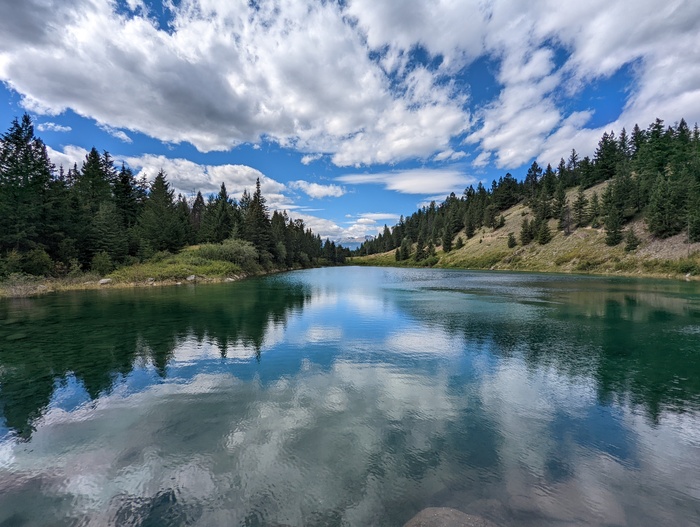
x: 446, y: 517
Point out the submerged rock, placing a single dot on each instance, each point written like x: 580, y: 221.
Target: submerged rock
x: 446, y: 517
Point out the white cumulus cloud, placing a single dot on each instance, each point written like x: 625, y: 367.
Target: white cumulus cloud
x: 310, y: 158
x: 317, y: 191
x: 341, y: 77
x: 414, y: 181
x: 53, y: 127
x: 119, y: 134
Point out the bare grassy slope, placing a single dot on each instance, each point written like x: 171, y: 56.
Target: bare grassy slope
x: 583, y: 251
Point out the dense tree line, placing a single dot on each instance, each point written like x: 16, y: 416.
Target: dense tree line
x: 653, y: 174
x: 98, y: 216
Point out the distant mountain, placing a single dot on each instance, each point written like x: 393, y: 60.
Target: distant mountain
x: 353, y: 243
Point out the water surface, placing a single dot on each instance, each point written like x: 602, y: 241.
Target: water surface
x: 354, y: 396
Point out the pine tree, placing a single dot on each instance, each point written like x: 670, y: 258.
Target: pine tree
x: 469, y: 226
x: 183, y: 213
x: 512, y: 242
x: 631, y: 240
x: 196, y: 214
x: 109, y: 233
x: 666, y: 214
x: 606, y: 158
x: 420, y: 249
x: 532, y: 179
x: 256, y: 221
x: 693, y: 215
x: 525, y: 232
x: 447, y: 240
x: 594, y: 211
x: 613, y: 227
x: 565, y: 220
x: 25, y: 175
x: 128, y: 197
x: 160, y: 225
x: 559, y: 200
x: 580, y: 216
x: 387, y: 239
x: 222, y: 216
x: 624, y: 146
x: 544, y: 234
x: 406, y: 248
x: 93, y: 183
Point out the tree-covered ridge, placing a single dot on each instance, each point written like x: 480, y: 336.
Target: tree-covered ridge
x: 653, y: 174
x: 98, y: 216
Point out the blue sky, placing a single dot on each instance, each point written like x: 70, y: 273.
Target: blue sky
x: 351, y: 112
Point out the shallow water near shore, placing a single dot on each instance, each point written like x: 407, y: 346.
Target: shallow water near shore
x: 354, y: 396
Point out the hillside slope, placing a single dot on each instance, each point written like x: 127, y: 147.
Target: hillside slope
x: 582, y: 251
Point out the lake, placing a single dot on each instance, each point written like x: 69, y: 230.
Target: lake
x: 354, y: 396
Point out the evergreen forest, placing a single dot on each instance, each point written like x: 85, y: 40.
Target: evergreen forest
x: 99, y: 217
x: 652, y: 173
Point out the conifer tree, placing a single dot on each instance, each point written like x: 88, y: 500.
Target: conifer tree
x: 662, y: 217
x: 160, y: 225
x: 222, y: 216
x: 93, y: 183
x: 613, y: 226
x: 25, y: 175
x: 196, y: 215
x: 420, y: 249
x: 447, y: 240
x: 693, y: 215
x: 406, y: 247
x: 594, y: 210
x: 525, y: 232
x: 631, y: 240
x: 544, y: 234
x: 256, y: 222
x: 469, y: 225
x: 109, y: 233
x: 128, y: 196
x: 580, y: 208
x: 559, y: 200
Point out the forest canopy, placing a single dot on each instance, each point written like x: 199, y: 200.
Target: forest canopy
x: 99, y: 216
x: 652, y: 174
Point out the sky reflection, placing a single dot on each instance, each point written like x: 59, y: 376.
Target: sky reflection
x: 339, y: 415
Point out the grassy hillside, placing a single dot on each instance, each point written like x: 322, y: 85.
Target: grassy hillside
x: 583, y: 251
x: 229, y: 261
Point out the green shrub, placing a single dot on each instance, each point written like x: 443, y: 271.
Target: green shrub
x: 236, y: 251
x: 429, y: 261
x: 37, y: 262
x: 101, y: 263
x: 159, y: 256
x: 586, y: 264
x: 12, y: 263
x: 631, y: 240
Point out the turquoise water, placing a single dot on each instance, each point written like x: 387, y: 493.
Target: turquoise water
x: 354, y: 396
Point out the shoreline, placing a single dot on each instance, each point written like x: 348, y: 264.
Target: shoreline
x: 687, y: 277
x: 37, y: 287
x: 42, y: 286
